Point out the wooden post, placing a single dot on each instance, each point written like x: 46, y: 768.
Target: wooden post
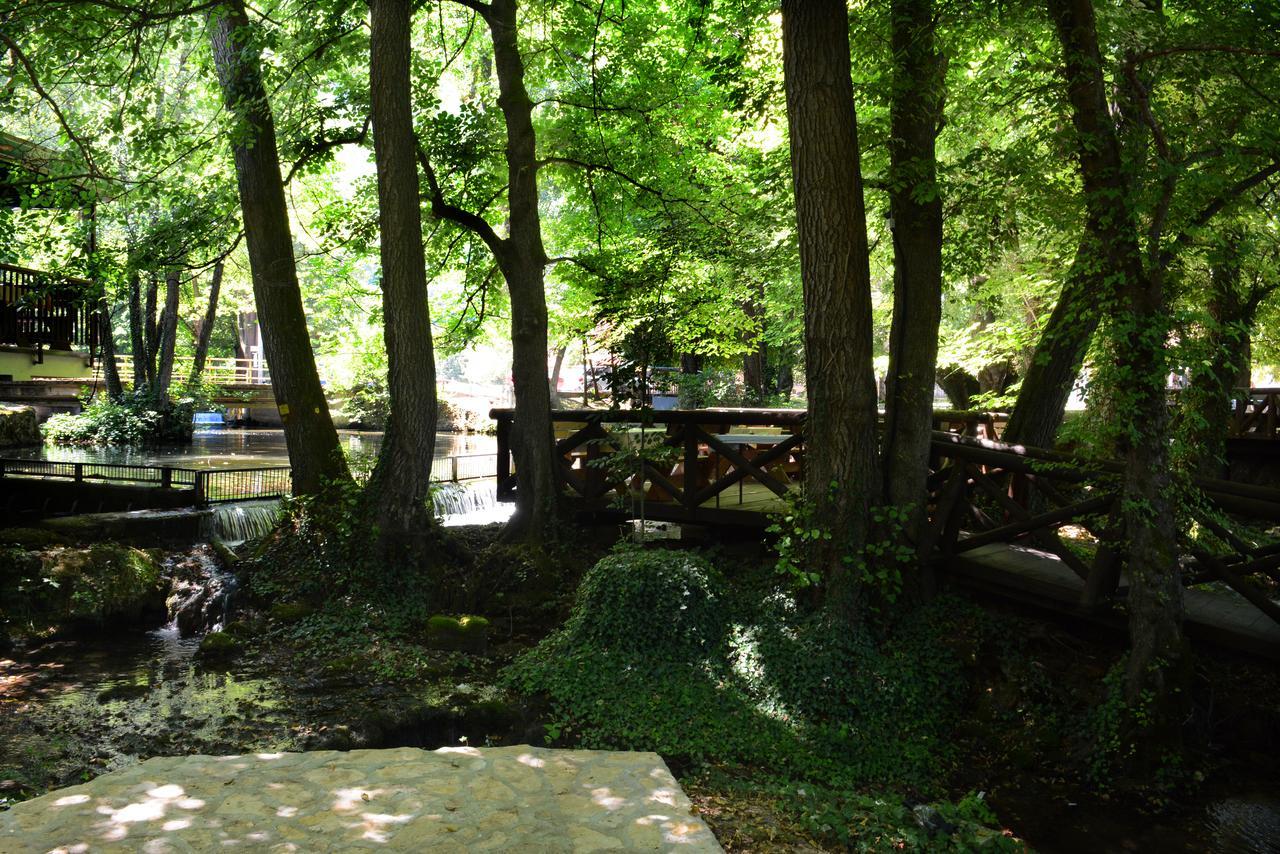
x: 166, y: 477
x: 79, y: 472
x: 690, y: 466
x: 200, y: 487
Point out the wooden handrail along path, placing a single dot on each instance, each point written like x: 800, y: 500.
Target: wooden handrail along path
x: 990, y: 504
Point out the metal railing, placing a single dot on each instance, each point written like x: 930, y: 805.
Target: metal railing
x: 208, y: 486
x: 39, y: 308
x: 222, y: 486
x: 464, y: 467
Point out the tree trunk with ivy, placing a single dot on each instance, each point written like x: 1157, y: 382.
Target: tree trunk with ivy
x: 401, y: 485
x: 1155, y: 674
x: 1223, y: 358
x: 137, y: 334
x: 915, y: 202
x: 1059, y: 354
x: 314, y: 453
x: 842, y: 468
x: 106, y: 332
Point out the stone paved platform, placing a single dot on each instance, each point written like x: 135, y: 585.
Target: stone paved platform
x: 455, y: 799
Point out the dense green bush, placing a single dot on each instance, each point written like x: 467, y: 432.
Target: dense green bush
x: 135, y: 420
x: 656, y: 656
x: 661, y: 605
x: 368, y: 402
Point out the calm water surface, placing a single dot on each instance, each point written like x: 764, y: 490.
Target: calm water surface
x: 237, y: 448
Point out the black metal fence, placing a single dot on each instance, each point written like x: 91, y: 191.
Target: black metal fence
x: 208, y: 486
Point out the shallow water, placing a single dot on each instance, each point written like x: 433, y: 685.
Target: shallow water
x: 1245, y: 822
x: 105, y: 702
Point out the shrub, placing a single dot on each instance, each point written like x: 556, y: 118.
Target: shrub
x: 662, y: 605
x: 135, y: 420
x: 368, y: 401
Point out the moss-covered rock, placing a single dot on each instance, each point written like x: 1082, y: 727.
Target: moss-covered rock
x: 30, y: 538
x: 18, y: 426
x: 467, y: 633
x: 106, y: 584
x: 219, y: 646
x: 290, y: 612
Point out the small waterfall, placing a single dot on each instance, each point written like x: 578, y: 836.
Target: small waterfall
x: 235, y: 523
x: 201, y: 595
x: 473, y: 503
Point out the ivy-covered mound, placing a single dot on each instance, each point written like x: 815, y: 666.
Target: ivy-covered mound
x: 657, y: 655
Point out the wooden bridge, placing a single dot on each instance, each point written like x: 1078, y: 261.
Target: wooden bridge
x: 1024, y: 523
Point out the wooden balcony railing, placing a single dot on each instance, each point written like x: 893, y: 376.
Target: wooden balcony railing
x: 39, y: 309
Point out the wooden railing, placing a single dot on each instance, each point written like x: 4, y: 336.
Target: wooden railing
x: 721, y: 465
x: 739, y: 466
x: 219, y: 371
x: 984, y: 492
x: 1256, y: 414
x: 40, y: 309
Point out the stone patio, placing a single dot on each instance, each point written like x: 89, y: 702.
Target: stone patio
x: 454, y: 799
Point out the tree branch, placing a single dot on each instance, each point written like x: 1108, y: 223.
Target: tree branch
x: 443, y: 210
x: 22, y: 58
x: 1216, y: 206
x: 316, y: 147
x: 476, y: 6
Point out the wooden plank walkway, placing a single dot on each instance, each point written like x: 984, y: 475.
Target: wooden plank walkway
x: 1040, y: 578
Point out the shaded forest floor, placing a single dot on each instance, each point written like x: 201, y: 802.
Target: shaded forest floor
x: 295, y: 677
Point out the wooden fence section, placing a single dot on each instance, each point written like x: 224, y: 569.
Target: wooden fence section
x: 39, y: 309
x: 1256, y: 414
x: 725, y: 466
x: 985, y: 492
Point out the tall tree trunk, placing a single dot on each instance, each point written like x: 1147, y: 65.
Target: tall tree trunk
x: 553, y: 384
x: 755, y: 362
x: 1059, y: 355
x: 206, y: 326
x: 522, y: 262
x: 151, y: 328
x: 401, y: 485
x: 110, y: 371
x: 314, y: 452
x: 916, y: 205
x: 1137, y: 333
x: 842, y: 469
x: 168, y: 335
x: 137, y: 332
